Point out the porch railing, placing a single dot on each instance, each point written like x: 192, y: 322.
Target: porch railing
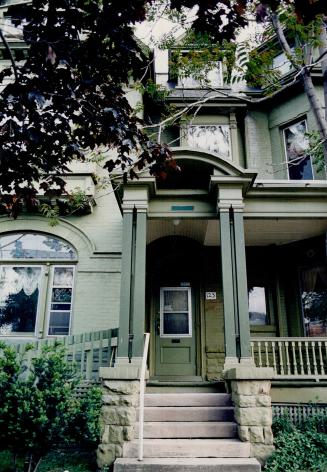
x: 88, y: 351
x: 292, y: 358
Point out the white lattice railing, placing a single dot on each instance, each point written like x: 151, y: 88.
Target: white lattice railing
x: 292, y: 358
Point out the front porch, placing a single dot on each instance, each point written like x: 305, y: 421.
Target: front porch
x: 215, y: 272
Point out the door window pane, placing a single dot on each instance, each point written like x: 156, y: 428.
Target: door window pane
x: 176, y: 323
x: 314, y: 300
x: 19, y: 296
x: 176, y: 300
x: 258, y: 306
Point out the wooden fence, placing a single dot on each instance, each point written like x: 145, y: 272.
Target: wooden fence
x: 88, y: 351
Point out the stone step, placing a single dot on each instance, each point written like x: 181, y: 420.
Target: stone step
x: 187, y: 465
x: 189, y: 448
x: 188, y: 429
x: 160, y: 386
x: 187, y: 399
x: 194, y: 413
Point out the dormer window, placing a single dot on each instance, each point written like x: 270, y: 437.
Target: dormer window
x: 212, y: 77
x: 213, y: 138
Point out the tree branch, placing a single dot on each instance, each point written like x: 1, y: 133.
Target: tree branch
x: 12, y: 60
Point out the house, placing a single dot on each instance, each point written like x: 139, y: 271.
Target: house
x: 223, y: 263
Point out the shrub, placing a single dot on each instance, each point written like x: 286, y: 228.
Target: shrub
x: 39, y: 408
x: 299, y: 447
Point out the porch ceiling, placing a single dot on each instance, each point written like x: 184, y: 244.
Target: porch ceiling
x: 258, y: 232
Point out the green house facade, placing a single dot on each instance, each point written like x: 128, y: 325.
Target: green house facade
x: 226, y: 253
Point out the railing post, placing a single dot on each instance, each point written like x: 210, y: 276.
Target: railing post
x: 141, y: 402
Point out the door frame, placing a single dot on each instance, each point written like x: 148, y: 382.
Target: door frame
x: 198, y: 320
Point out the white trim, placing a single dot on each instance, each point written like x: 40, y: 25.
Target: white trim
x: 49, y: 294
x: 189, y: 300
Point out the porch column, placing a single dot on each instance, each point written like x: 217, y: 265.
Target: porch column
x: 132, y: 299
x: 138, y: 300
x: 234, y: 277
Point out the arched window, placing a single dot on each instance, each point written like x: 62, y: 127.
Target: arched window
x: 36, y: 284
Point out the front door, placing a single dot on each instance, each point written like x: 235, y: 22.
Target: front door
x: 175, y: 344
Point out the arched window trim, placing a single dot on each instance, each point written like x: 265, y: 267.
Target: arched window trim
x: 40, y: 253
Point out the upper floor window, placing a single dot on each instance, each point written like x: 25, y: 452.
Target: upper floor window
x: 296, y: 144
x: 282, y: 64
x: 213, y: 138
x: 36, y: 294
x: 213, y: 77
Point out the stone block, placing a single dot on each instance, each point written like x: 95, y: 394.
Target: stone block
x: 107, y: 453
x: 129, y: 433
x: 251, y: 387
x: 253, y: 416
x: 263, y: 400
x: 256, y: 434
x: 244, y: 433
x: 121, y: 416
x: 120, y: 400
x: 105, y: 435
x: 244, y: 400
x: 261, y: 451
x: 116, y: 434
x: 268, y: 435
x: 123, y: 387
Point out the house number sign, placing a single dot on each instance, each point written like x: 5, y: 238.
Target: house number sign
x: 211, y: 295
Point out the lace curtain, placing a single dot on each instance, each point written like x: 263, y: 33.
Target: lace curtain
x: 15, y: 279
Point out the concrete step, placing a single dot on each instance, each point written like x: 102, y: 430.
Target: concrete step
x: 194, y: 413
x: 183, y: 429
x: 189, y: 448
x: 187, y: 465
x: 187, y: 399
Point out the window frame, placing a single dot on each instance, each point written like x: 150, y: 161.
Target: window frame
x: 162, y: 311
x: 283, y: 129
x: 47, y: 265
x: 184, y: 138
x: 49, y: 302
x: 197, y: 83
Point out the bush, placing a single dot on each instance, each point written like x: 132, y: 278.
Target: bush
x: 39, y: 408
x: 299, y: 447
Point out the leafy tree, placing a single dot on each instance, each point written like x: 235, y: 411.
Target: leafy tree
x: 300, y: 29
x: 68, y: 98
x: 38, y: 408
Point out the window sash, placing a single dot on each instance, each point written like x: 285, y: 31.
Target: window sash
x: 169, y: 312
x: 50, y: 310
